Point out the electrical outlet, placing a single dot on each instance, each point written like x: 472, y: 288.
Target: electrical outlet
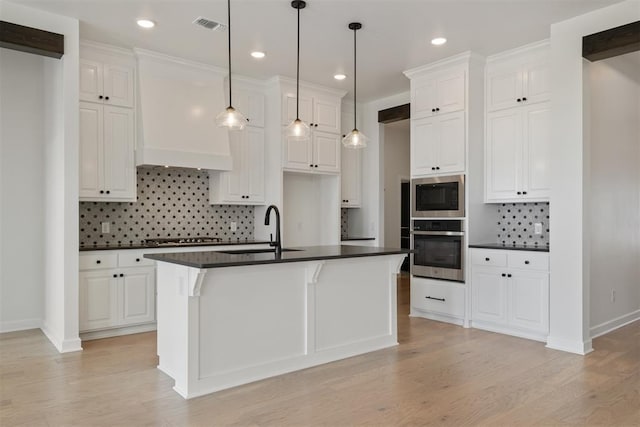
x: 537, y: 228
x: 106, y: 227
x: 234, y: 226
x: 613, y: 295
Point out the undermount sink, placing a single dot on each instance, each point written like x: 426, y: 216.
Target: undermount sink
x: 257, y: 251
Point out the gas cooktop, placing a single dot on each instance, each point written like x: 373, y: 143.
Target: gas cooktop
x: 181, y: 241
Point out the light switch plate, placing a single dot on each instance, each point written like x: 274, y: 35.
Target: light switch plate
x: 106, y: 227
x: 233, y: 226
x: 537, y: 228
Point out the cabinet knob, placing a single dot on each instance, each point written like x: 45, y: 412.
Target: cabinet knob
x: 137, y: 259
x: 519, y: 192
x: 108, y: 192
x: 508, y: 275
x: 98, y: 261
x: 437, y: 109
x: 310, y: 124
x: 248, y: 119
x: 433, y: 110
x: 315, y: 166
x: 437, y: 168
x: 115, y: 275
x: 344, y: 136
x: 526, y: 262
x: 433, y: 168
x: 524, y: 192
x: 504, y: 275
x: 106, y: 98
x: 100, y: 97
x: 310, y: 166
x: 101, y: 191
x: 316, y: 125
x: 121, y: 275
x: 518, y: 100
x: 524, y: 98
x: 487, y: 259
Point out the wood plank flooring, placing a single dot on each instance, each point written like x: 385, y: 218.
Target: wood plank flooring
x: 440, y: 374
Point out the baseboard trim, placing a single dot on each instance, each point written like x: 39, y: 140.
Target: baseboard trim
x: 576, y: 347
x: 63, y: 346
x: 436, y: 317
x: 613, y: 324
x: 107, y: 333
x: 19, y: 325
x: 534, y: 336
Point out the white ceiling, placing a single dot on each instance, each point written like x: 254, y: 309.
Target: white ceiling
x: 395, y: 36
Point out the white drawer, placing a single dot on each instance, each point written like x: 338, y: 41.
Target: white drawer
x: 98, y: 261
x: 437, y: 298
x: 524, y: 260
x: 131, y: 258
x: 488, y: 257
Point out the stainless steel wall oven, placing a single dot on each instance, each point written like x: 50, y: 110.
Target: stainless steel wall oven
x: 438, y: 249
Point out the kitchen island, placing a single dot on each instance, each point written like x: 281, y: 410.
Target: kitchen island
x: 229, y: 318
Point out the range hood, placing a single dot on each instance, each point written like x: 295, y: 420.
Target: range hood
x: 178, y: 101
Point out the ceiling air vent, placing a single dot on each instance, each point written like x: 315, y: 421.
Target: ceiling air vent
x: 209, y: 24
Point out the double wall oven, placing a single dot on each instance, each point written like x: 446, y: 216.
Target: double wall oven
x: 438, y: 242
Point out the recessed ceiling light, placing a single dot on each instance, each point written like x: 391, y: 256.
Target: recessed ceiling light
x: 438, y: 41
x: 146, y: 23
x: 339, y: 77
x: 257, y: 54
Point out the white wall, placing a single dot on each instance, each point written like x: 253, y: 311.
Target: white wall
x: 21, y: 190
x: 570, y: 258
x: 60, y: 101
x: 396, y: 167
x: 614, y: 205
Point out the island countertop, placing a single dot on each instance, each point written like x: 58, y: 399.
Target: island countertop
x: 213, y: 259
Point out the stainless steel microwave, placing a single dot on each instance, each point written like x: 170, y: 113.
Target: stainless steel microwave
x: 438, y: 197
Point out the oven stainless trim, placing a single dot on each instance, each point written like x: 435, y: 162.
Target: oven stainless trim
x: 452, y: 274
x: 435, y: 180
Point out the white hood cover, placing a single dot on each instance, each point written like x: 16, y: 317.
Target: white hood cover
x: 178, y: 103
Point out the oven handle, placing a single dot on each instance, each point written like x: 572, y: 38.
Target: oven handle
x: 438, y: 233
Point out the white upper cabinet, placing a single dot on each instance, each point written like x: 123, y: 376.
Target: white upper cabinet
x: 244, y: 184
x: 350, y: 176
x: 517, y: 142
x: 107, y: 165
x: 250, y: 103
x: 321, y: 153
x: 106, y: 83
x: 438, y: 144
x: 441, y: 93
x: 518, y: 78
x: 319, y: 112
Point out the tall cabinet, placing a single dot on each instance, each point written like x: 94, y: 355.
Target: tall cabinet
x: 518, y: 118
x: 107, y: 124
x: 446, y: 101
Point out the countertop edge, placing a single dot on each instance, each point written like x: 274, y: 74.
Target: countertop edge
x: 138, y: 247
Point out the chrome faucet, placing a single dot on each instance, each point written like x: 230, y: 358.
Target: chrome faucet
x: 277, y: 244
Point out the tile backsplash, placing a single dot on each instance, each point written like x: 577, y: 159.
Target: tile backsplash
x: 515, y: 223
x: 344, y: 222
x: 172, y: 202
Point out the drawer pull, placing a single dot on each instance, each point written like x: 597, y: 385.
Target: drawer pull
x: 526, y: 262
x: 487, y: 259
x: 434, y: 298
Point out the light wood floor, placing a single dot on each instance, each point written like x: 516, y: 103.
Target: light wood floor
x: 439, y: 374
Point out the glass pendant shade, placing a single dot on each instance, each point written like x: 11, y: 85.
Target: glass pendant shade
x: 231, y: 119
x: 355, y: 139
x: 298, y: 130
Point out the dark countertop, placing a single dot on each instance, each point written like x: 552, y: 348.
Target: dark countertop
x: 213, y: 259
x: 544, y: 248
x: 176, y: 245
x: 347, y: 239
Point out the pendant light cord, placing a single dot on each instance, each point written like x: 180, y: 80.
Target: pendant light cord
x: 355, y: 79
x: 229, y: 24
x: 298, y: 72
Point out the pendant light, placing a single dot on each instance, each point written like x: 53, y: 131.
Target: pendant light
x: 297, y: 129
x: 355, y: 138
x: 230, y: 117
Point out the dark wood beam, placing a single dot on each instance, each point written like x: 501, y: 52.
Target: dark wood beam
x: 613, y: 42
x: 401, y: 112
x: 31, y: 40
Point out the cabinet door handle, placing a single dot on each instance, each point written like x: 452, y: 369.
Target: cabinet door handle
x: 310, y: 124
x: 437, y: 168
x: 433, y: 168
x: 508, y: 275
x: 248, y: 119
x: 487, y: 259
x: 316, y: 166
x: 137, y: 259
x: 101, y: 191
x: 524, y: 98
x: 108, y: 192
x: 526, y: 262
x: 115, y: 275
x: 519, y: 100
x: 315, y: 126
x: 437, y: 109
x: 524, y: 192
x: 106, y: 98
x: 519, y: 192
x: 434, y: 298
x: 100, y: 97
x: 121, y: 275
x: 504, y: 275
x: 433, y: 110
x: 98, y: 261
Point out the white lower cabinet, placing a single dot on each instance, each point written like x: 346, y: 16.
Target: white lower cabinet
x: 510, y: 292
x: 438, y: 300
x: 117, y: 289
